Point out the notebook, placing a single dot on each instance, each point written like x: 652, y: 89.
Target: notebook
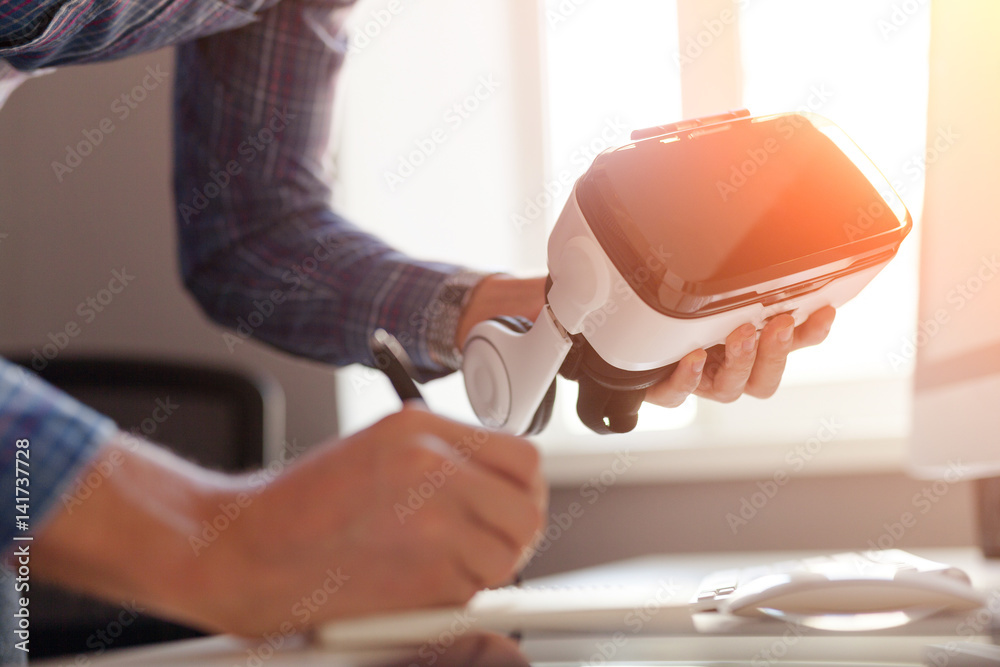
x: 882, y: 588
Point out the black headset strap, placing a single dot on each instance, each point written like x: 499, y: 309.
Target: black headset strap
x: 544, y: 412
x: 605, y: 410
x: 609, y: 397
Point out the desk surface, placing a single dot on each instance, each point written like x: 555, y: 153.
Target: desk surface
x: 758, y: 643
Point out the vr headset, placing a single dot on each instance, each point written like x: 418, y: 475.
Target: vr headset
x: 668, y: 244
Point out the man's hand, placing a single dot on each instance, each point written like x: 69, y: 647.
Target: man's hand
x: 415, y: 511
x: 412, y: 512
x: 748, y: 363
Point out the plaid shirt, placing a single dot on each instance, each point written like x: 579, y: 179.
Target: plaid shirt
x: 261, y: 248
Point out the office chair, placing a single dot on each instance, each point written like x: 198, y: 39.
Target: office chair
x: 220, y: 418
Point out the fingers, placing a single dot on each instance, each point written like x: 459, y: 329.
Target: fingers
x: 815, y: 329
x: 488, y: 560
x: 509, y: 455
x: 674, y: 390
x: 451, y: 582
x: 490, y: 492
x: 776, y: 340
x: 504, y: 518
x: 491, y: 522
x: 747, y: 362
x: 728, y: 377
x: 480, y: 649
x: 511, y: 512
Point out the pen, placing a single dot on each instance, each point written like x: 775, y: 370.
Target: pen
x: 394, y: 362
x: 392, y: 359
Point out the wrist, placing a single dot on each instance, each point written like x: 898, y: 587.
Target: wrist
x: 212, y: 562
x: 499, y: 295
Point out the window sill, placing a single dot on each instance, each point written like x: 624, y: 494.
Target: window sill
x: 803, y: 430
x: 780, y: 462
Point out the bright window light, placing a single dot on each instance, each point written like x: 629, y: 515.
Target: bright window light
x: 608, y: 67
x: 849, y: 63
x: 611, y: 69
x: 860, y: 65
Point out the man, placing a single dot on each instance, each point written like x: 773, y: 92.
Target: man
x: 328, y: 521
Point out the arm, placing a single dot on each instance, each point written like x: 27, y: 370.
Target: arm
x: 121, y: 519
x: 62, y: 436
x: 142, y: 533
x: 48, y: 33
x: 261, y: 248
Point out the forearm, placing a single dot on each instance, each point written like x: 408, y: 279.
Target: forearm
x: 325, y: 291
x: 35, y: 35
x: 324, y: 539
x: 129, y: 539
x: 262, y: 249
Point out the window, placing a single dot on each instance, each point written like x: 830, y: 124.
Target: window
x: 572, y: 78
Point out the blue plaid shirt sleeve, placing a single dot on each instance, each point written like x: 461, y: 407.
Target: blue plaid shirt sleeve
x: 62, y: 435
x: 37, y: 34
x: 262, y: 249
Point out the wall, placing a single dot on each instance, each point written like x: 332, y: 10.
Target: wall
x: 830, y: 513
x: 61, y: 240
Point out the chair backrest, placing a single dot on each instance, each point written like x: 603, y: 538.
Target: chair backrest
x: 220, y: 418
